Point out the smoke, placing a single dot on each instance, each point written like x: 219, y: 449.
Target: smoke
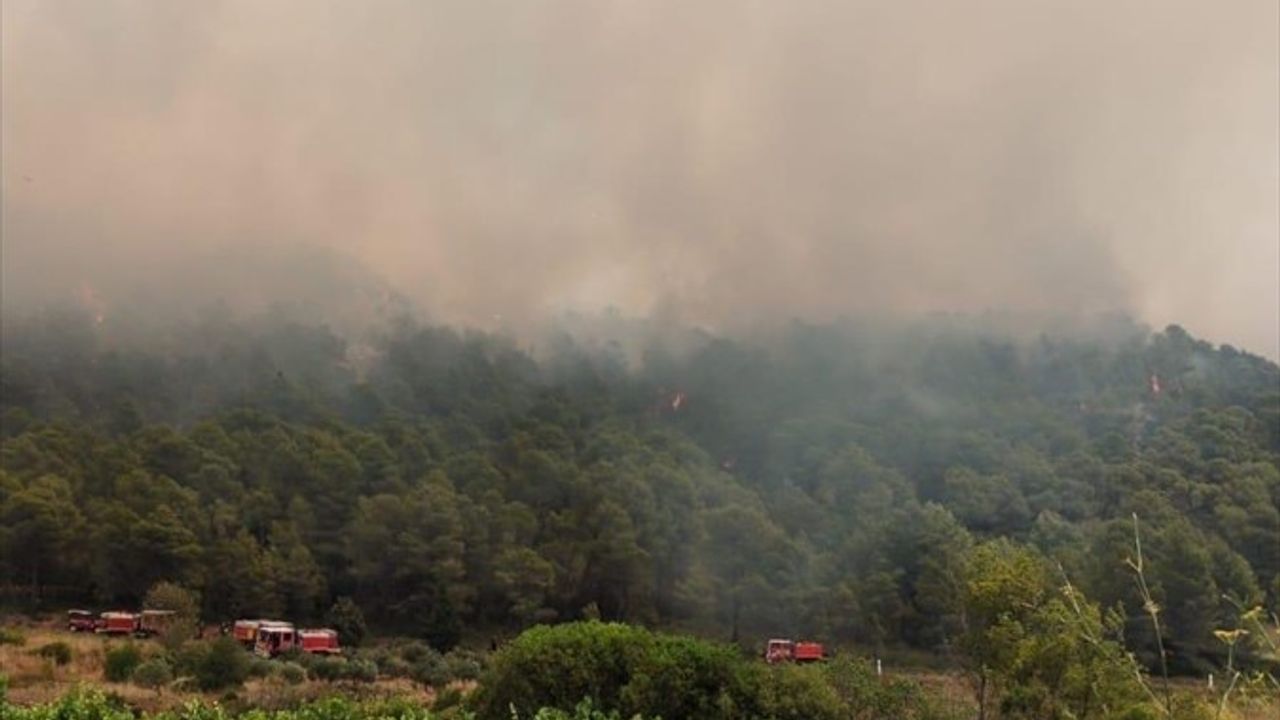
x: 722, y: 162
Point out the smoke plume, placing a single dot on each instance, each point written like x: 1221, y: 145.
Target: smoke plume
x: 721, y: 162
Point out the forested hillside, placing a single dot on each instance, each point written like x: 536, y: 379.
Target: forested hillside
x: 825, y: 480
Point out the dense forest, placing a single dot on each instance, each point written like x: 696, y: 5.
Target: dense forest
x: 817, y: 480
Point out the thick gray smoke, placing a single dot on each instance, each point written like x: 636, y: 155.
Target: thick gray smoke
x: 722, y: 162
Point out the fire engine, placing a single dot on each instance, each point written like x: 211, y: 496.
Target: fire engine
x: 117, y: 623
x: 319, y: 641
x: 779, y: 651
x: 81, y: 621
x: 245, y: 632
x: 274, y: 637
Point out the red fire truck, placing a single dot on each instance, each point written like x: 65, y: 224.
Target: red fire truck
x: 81, y: 621
x: 319, y: 641
x: 117, y: 623
x: 779, y: 651
x: 245, y: 632
x: 274, y: 637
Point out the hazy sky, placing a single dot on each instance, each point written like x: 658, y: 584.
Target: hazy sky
x: 725, y: 161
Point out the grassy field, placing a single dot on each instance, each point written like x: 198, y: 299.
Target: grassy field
x: 34, y: 679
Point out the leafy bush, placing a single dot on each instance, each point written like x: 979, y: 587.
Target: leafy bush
x: 867, y: 695
x: 584, y: 710
x: 59, y: 652
x: 154, y: 673
x: 415, y: 650
x: 260, y: 667
x: 463, y: 664
x: 346, y: 617
x: 392, y: 665
x: 292, y: 673
x: 120, y: 662
x: 327, y: 669
x: 794, y: 692
x: 82, y: 704
x: 12, y: 636
x: 186, y: 607
x: 361, y: 670
x: 222, y: 664
x: 430, y: 670
x: 621, y: 667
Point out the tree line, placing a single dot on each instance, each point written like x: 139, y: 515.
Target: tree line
x: 819, y: 480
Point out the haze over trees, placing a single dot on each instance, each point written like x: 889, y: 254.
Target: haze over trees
x: 835, y: 481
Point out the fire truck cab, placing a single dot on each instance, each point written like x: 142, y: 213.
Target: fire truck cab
x: 779, y: 651
x: 274, y: 637
x: 81, y: 621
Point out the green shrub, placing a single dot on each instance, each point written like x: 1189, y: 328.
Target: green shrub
x: 120, y: 662
x: 585, y: 710
x: 81, y: 704
x: 12, y: 636
x: 867, y: 695
x: 185, y: 604
x: 327, y: 669
x: 346, y: 617
x: 292, y: 673
x: 415, y: 650
x: 154, y: 673
x: 623, y: 668
x: 222, y: 664
x: 430, y: 670
x: 260, y: 667
x: 59, y: 652
x: 463, y: 665
x: 391, y: 665
x: 361, y: 670
x: 447, y: 697
x: 795, y: 692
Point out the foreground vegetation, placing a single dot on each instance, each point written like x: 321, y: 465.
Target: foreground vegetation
x: 1052, y: 661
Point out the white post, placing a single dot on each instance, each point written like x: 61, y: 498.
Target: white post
x: 1210, y: 681
x: 880, y: 669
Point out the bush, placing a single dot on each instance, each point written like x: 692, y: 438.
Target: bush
x: 346, y: 617
x: 360, y: 670
x: 120, y: 662
x: 59, y: 652
x: 327, y: 669
x: 623, y: 668
x: 186, y: 606
x: 463, y: 665
x: 446, y: 698
x: 223, y: 664
x: 12, y: 636
x: 414, y: 651
x: 430, y: 670
x: 260, y: 667
x: 867, y: 695
x: 292, y: 673
x: 796, y: 692
x: 154, y: 673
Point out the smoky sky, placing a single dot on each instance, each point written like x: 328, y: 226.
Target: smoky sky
x: 723, y: 162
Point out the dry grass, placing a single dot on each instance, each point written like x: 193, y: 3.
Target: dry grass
x: 35, y: 680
